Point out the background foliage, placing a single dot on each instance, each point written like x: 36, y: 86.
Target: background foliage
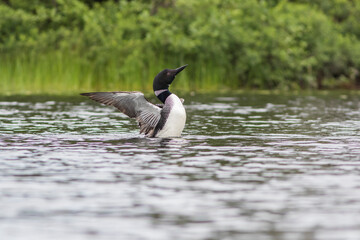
x: 83, y: 45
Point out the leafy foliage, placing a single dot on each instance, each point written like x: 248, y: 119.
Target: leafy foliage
x: 105, y: 45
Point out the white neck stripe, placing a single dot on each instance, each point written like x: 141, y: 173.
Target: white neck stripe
x: 158, y: 92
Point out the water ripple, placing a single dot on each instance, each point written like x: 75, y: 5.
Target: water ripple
x: 247, y: 167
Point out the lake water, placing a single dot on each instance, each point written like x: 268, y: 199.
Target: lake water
x: 248, y: 166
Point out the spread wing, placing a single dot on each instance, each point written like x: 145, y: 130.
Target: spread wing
x: 133, y: 104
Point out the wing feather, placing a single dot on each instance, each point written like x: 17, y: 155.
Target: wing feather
x: 133, y: 104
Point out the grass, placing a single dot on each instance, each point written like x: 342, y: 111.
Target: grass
x: 59, y: 72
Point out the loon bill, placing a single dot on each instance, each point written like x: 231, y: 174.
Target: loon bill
x: 165, y: 120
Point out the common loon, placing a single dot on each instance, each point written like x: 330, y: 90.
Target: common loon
x: 160, y: 120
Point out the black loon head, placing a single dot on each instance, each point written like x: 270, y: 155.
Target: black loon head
x: 164, y: 78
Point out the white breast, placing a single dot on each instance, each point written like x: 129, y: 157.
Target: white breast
x: 175, y: 122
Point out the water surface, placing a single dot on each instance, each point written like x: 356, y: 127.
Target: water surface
x: 248, y: 166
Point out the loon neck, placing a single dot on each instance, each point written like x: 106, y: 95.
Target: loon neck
x: 162, y: 94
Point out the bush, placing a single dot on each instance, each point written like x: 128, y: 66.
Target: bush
x: 228, y: 44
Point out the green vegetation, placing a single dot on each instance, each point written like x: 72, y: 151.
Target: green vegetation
x: 54, y: 46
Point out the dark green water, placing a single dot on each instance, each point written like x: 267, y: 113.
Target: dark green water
x: 248, y: 166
